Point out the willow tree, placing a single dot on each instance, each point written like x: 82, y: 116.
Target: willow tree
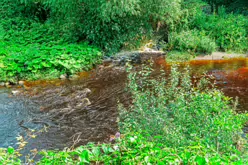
x: 112, y: 23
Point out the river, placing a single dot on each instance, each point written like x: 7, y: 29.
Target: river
x: 58, y: 104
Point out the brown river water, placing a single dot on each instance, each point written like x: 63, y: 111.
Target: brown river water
x: 85, y: 110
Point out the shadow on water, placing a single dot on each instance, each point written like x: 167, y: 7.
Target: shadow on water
x: 15, y: 117
x: 85, y: 110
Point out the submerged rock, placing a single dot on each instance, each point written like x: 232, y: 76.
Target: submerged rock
x: 136, y: 57
x: 87, y: 91
x: 86, y: 101
x: 21, y: 82
x: 73, y: 77
x: 2, y: 84
x: 14, y: 92
x: 63, y: 76
x: 107, y: 61
x: 7, y: 84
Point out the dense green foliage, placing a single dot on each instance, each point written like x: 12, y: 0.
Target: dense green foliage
x: 191, y: 41
x: 177, y: 57
x: 237, y: 6
x: 32, y: 50
x: 112, y: 25
x: 38, y: 61
x: 179, y: 114
x: 229, y: 31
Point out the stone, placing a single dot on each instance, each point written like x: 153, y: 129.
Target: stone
x: 116, y: 62
x: 2, y: 84
x: 15, y: 92
x: 21, y: 82
x: 63, y: 76
x: 73, y: 77
x: 86, y: 101
x: 7, y: 84
x: 87, y: 90
x: 108, y: 60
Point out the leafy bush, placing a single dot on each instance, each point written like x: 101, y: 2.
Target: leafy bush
x: 112, y: 24
x: 178, y: 56
x: 9, y: 156
x: 19, y: 62
x: 24, y: 31
x: 135, y: 149
x: 106, y: 24
x: 131, y: 149
x: 191, y: 41
x: 228, y: 30
x: 174, y: 113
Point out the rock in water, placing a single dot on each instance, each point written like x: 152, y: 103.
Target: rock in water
x: 21, y: 82
x: 2, y: 84
x: 15, y: 92
x: 63, y: 76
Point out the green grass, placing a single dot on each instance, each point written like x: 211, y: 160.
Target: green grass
x: 176, y: 56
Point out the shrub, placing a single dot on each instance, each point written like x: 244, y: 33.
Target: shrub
x: 106, y: 24
x: 191, y: 41
x: 176, y: 56
x: 9, y: 156
x: 135, y: 149
x: 228, y: 30
x: 174, y: 113
x: 25, y: 31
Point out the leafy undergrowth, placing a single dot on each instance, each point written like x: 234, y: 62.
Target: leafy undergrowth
x: 32, y: 50
x: 131, y: 149
x: 228, y: 30
x: 170, y: 122
x: 176, y: 56
x: 38, y: 61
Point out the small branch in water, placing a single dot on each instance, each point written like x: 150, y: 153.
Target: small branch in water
x: 76, y: 139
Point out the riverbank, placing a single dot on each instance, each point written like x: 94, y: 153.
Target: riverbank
x: 220, y: 56
x: 133, y: 57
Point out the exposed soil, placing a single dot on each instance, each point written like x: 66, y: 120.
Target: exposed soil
x: 220, y: 55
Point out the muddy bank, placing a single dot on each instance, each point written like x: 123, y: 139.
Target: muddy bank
x: 221, y: 56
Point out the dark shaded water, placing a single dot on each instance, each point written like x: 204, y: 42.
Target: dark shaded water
x: 85, y: 110
x: 13, y: 112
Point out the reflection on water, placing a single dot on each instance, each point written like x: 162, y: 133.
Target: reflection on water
x: 231, y: 76
x: 58, y: 103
